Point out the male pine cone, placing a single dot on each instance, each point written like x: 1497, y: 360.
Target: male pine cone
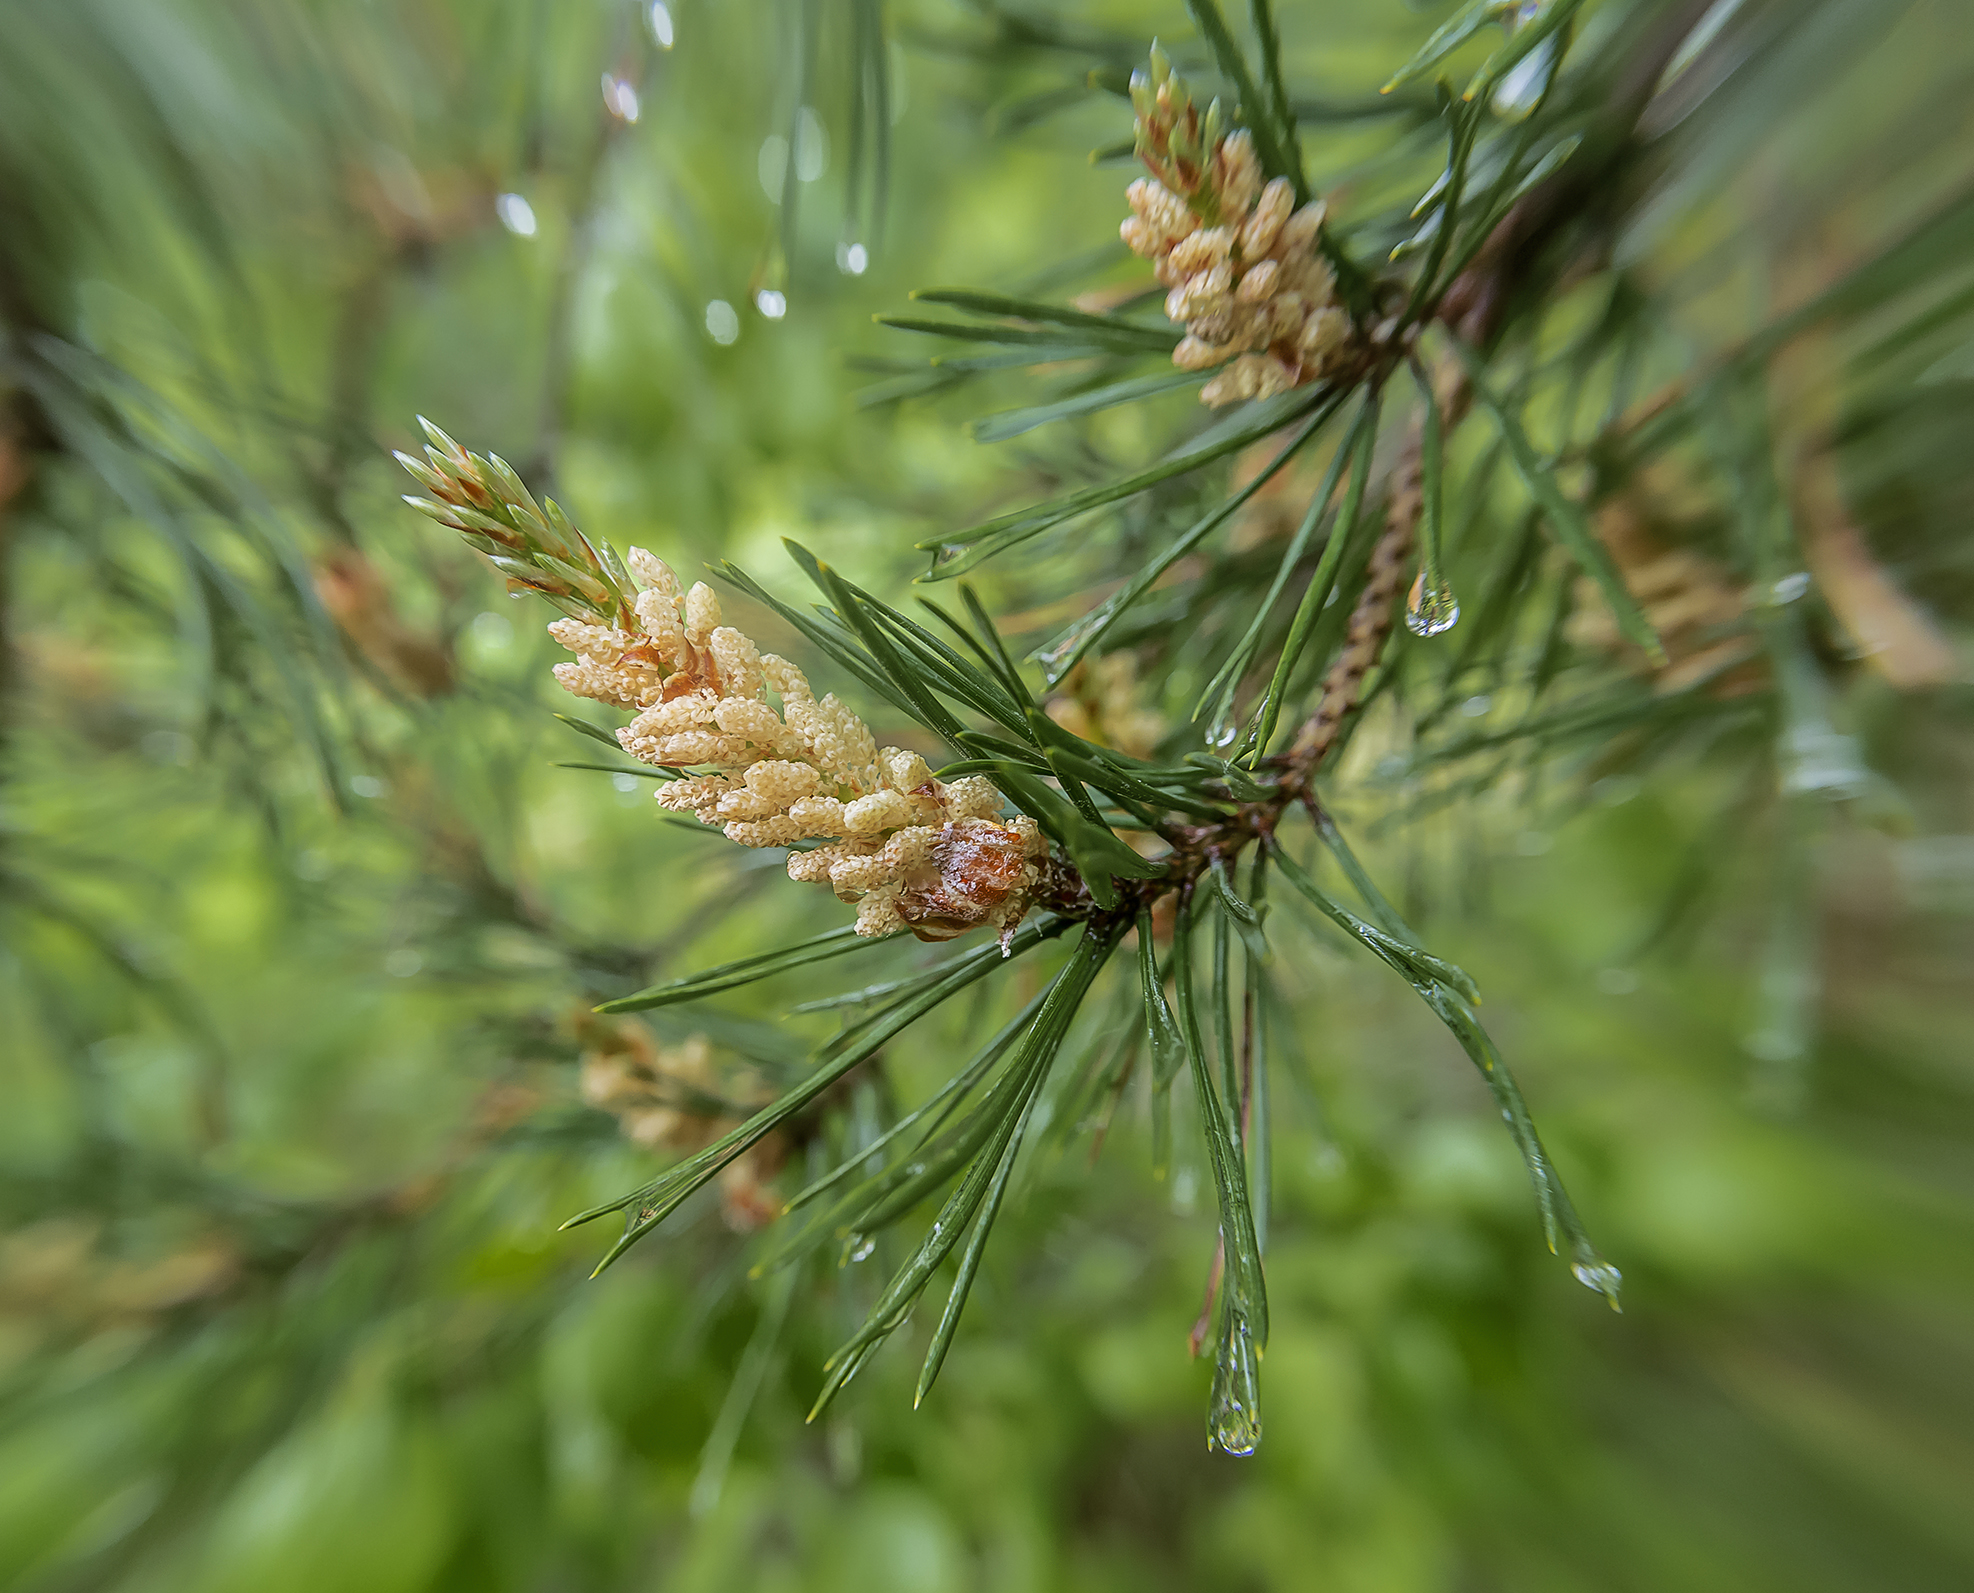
x: 1245, y: 275
x: 912, y: 851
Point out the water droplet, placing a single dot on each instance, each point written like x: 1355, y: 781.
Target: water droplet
x: 722, y: 322
x: 852, y: 259
x: 1521, y: 89
x: 1222, y: 734
x: 1599, y: 1275
x: 1475, y: 707
x: 1052, y: 662
x: 1431, y: 610
x: 660, y: 19
x: 1234, y: 1416
x: 1789, y: 588
x: 859, y: 1246
x: 516, y: 215
x: 1058, y: 660
x: 771, y: 303
x: 620, y: 98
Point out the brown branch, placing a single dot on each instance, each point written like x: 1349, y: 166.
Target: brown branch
x: 1370, y: 620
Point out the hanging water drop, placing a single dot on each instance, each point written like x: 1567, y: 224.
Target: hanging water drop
x: 1432, y: 609
x: 1058, y: 660
x: 859, y: 1246
x: 1600, y: 1275
x: 1234, y: 1417
x: 722, y: 322
x: 620, y: 98
x: 516, y: 215
x: 1236, y: 1427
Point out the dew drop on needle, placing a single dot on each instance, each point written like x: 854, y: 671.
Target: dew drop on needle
x: 1234, y: 1416
x: 1431, y: 609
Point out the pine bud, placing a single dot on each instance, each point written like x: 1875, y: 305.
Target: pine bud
x: 1246, y: 275
x: 534, y: 546
x: 754, y: 751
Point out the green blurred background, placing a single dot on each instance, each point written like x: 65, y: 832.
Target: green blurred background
x: 299, y: 908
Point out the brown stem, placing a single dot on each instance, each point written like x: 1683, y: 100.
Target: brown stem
x: 1204, y: 1325
x: 1370, y: 620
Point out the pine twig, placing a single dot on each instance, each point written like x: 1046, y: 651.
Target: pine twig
x: 1370, y: 620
